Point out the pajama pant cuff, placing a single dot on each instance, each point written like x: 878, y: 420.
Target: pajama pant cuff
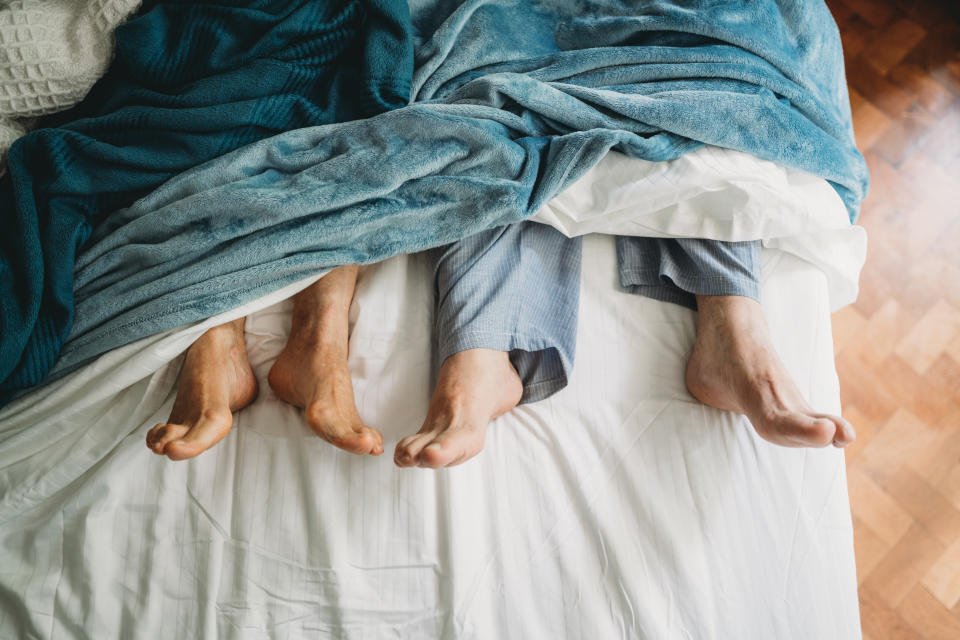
x: 671, y: 286
x: 679, y: 269
x: 539, y: 363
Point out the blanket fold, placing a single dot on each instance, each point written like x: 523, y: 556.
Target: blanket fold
x: 513, y: 100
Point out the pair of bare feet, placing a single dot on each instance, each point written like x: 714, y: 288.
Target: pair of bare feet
x: 311, y: 372
x: 733, y: 367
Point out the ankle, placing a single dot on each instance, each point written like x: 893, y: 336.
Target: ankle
x: 332, y: 294
x: 476, y: 359
x: 231, y: 333
x: 322, y: 327
x: 319, y: 347
x: 731, y: 314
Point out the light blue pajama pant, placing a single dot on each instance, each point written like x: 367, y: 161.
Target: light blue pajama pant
x: 517, y: 289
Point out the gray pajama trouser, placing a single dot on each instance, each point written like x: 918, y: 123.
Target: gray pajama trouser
x: 517, y: 288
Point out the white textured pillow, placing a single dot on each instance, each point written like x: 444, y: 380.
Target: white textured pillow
x: 51, y: 53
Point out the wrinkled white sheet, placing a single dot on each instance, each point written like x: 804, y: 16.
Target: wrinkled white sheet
x: 619, y: 508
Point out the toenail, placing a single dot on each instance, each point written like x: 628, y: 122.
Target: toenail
x: 433, y: 446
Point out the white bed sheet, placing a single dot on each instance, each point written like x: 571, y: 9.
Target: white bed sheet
x: 619, y: 508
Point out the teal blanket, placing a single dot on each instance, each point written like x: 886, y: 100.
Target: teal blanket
x: 512, y: 101
x: 190, y: 82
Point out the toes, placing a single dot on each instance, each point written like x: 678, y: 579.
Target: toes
x: 378, y: 441
x: 800, y: 430
x: 212, y: 426
x: 451, y: 448
x: 344, y: 433
x: 360, y: 440
x: 408, y: 450
x: 436, y: 455
x: 845, y: 433
x: 163, y: 434
x: 439, y: 454
x: 432, y: 450
x: 821, y: 433
x: 795, y: 429
x: 155, y: 434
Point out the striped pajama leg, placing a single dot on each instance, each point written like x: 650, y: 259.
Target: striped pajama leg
x: 514, y: 289
x: 679, y: 269
x: 517, y: 289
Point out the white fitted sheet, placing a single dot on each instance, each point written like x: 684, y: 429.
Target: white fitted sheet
x: 620, y: 507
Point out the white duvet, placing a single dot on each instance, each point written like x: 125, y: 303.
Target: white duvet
x: 619, y: 508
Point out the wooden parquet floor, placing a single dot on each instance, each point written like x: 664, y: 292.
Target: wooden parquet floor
x: 898, y: 347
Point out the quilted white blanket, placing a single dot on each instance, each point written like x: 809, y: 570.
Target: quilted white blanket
x: 51, y: 53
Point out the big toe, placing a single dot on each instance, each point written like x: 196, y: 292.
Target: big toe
x: 796, y: 429
x: 439, y: 454
x: 163, y: 434
x: 348, y: 435
x: 845, y: 433
x: 359, y: 440
x: 451, y: 448
x: 213, y: 425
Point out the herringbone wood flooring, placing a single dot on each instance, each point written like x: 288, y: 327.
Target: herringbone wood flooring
x: 898, y: 347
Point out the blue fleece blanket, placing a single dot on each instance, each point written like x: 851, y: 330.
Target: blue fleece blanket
x: 512, y: 101
x: 190, y: 82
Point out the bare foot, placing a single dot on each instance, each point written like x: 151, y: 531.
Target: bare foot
x: 735, y: 367
x: 312, y: 373
x: 473, y: 388
x: 216, y: 380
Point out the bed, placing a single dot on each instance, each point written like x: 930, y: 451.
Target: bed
x: 619, y: 508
